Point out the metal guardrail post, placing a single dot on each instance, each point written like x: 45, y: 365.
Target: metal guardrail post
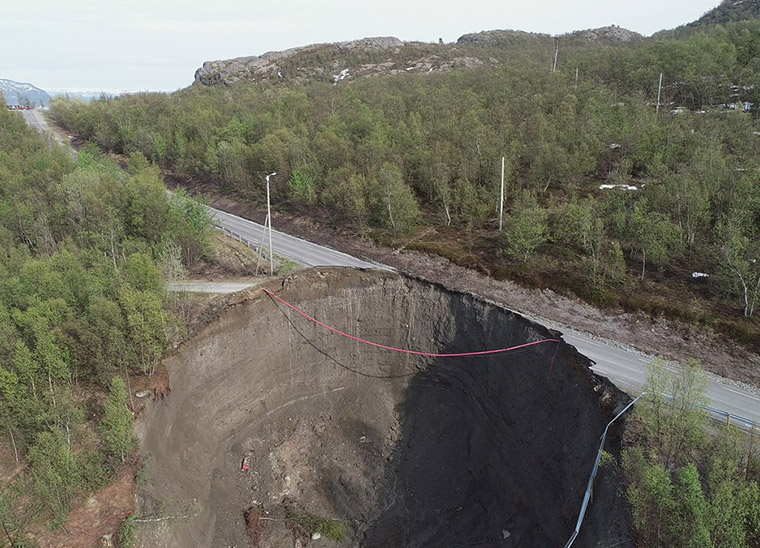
x: 590, y: 486
x: 242, y: 239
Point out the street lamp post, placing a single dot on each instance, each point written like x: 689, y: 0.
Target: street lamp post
x: 269, y: 216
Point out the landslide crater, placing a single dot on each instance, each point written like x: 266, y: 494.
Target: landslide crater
x: 402, y: 450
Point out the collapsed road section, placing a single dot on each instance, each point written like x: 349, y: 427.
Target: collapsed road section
x: 279, y: 427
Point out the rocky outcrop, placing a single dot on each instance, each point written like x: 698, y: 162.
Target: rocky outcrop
x: 612, y: 33
x: 501, y: 38
x: 388, y: 55
x: 276, y: 65
x: 337, y: 62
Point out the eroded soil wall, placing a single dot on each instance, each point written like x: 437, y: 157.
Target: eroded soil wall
x: 406, y: 450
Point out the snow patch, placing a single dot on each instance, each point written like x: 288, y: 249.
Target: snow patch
x: 621, y: 186
x: 342, y: 76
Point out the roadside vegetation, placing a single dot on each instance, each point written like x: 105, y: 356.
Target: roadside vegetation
x: 690, y: 481
x: 84, y: 251
x: 391, y: 156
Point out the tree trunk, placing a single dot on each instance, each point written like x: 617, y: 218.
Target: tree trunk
x: 754, y: 296
x: 50, y: 383
x: 390, y: 212
x: 13, y: 442
x: 129, y: 387
x: 643, y: 264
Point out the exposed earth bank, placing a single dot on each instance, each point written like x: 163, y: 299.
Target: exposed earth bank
x: 272, y: 415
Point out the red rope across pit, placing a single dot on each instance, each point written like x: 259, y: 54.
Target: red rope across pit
x: 412, y: 352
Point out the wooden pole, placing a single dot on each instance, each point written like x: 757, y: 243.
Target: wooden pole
x: 260, y: 250
x: 269, y: 216
x: 556, y: 54
x: 659, y: 94
x: 501, y: 200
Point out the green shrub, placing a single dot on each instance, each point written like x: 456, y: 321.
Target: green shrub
x: 127, y: 532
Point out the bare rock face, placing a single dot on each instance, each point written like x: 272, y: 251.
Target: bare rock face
x: 490, y: 38
x: 337, y: 62
x: 371, y: 44
x: 612, y: 33
x: 274, y: 64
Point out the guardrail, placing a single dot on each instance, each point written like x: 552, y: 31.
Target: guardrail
x: 729, y: 418
x: 258, y: 249
x: 716, y: 414
x: 723, y: 417
x: 590, y: 486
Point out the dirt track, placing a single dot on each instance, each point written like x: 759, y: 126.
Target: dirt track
x: 407, y: 451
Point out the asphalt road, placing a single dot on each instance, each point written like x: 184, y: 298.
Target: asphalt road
x: 289, y: 247
x: 208, y: 287
x: 627, y: 369
x: 35, y: 119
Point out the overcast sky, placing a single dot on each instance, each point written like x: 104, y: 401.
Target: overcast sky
x: 157, y: 44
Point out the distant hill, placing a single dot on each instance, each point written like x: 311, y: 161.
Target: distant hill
x: 506, y: 39
x: 336, y: 62
x: 340, y: 61
x: 729, y: 11
x: 20, y: 93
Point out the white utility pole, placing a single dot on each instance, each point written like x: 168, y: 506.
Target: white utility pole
x: 501, y: 201
x: 659, y: 94
x: 556, y: 54
x: 576, y: 77
x: 260, y: 250
x: 269, y: 217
